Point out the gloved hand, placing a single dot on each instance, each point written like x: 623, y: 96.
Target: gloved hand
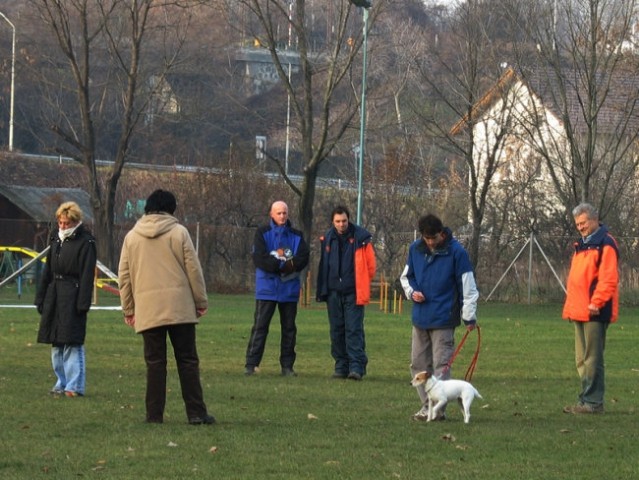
x: 288, y: 267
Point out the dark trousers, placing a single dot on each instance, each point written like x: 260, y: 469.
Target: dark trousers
x: 348, y: 342
x: 188, y: 366
x: 264, y: 310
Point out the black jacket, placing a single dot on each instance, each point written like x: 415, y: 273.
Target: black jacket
x: 66, y: 288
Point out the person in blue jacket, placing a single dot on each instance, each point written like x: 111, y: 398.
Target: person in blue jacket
x: 438, y: 278
x: 279, y: 254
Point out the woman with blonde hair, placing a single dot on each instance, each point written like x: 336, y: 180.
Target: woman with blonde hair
x: 64, y: 298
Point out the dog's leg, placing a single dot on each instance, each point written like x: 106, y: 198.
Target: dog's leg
x: 465, y: 404
x: 438, y: 406
x: 431, y: 403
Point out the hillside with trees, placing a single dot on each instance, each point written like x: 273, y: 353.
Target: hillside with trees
x: 191, y: 84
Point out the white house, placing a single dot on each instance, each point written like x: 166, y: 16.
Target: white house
x: 530, y: 134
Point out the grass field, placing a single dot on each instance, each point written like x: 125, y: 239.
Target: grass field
x: 313, y: 427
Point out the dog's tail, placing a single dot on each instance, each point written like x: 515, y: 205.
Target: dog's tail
x: 477, y: 393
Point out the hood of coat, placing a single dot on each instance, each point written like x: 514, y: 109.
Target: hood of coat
x: 155, y: 224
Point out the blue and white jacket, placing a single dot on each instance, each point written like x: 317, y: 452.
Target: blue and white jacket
x: 445, y: 277
x: 272, y: 282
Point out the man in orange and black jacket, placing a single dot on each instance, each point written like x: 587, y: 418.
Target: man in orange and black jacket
x: 346, y: 269
x: 592, y: 304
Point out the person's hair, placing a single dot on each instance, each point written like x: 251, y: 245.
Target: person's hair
x: 160, y: 201
x: 430, y: 225
x: 340, y: 210
x: 587, y: 209
x: 275, y: 203
x: 71, y: 210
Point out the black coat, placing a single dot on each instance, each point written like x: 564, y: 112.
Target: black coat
x: 66, y: 288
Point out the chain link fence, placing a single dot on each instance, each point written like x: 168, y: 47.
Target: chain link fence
x: 510, y: 269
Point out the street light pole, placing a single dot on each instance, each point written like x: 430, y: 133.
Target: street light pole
x: 365, y: 4
x: 13, y: 78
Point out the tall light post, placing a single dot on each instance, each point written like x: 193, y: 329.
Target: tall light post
x: 365, y: 4
x: 288, y: 104
x: 13, y: 78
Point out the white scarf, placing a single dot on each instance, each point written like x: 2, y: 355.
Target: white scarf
x: 67, y: 232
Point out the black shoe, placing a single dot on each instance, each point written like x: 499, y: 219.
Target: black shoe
x: 205, y: 420
x: 288, y: 372
x: 354, y: 376
x: 339, y: 375
x: 249, y: 370
x: 154, y: 420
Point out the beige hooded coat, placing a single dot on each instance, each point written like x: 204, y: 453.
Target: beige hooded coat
x: 160, y: 275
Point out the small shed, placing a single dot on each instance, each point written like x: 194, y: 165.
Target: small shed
x: 28, y: 213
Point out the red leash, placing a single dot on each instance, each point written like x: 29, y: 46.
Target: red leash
x: 473, y: 362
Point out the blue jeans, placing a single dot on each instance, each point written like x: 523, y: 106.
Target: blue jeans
x: 590, y: 341
x: 70, y: 368
x: 348, y: 342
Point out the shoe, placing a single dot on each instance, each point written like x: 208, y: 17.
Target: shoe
x: 339, y: 375
x: 70, y: 394
x: 354, y: 376
x: 584, y: 408
x: 422, y: 415
x: 288, y: 372
x: 250, y: 370
x: 55, y: 392
x: 205, y: 420
x: 154, y: 420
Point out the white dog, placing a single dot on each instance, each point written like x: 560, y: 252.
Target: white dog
x: 440, y: 392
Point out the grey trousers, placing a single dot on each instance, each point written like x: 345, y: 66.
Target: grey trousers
x: 431, y: 350
x: 590, y: 342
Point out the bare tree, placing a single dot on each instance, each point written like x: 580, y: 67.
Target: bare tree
x: 325, y: 45
x: 585, y: 70
x: 464, y: 64
x: 110, y: 52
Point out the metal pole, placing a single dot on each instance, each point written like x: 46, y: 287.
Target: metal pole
x: 288, y: 123
x: 530, y: 260
x: 288, y: 103
x: 362, y: 127
x: 13, y: 79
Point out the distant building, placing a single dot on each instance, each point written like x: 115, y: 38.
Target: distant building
x: 260, y: 73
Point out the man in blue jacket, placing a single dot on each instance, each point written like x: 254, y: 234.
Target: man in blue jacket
x: 439, y: 279
x: 279, y: 254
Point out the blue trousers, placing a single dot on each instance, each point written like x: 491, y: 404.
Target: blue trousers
x: 348, y: 342
x: 69, y: 366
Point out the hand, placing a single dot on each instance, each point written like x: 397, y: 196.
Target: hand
x: 471, y: 326
x: 279, y: 255
x: 200, y: 311
x: 129, y: 320
x: 288, y: 267
x: 593, y: 310
x: 418, y: 297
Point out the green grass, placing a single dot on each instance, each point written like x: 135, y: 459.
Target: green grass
x: 356, y: 430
